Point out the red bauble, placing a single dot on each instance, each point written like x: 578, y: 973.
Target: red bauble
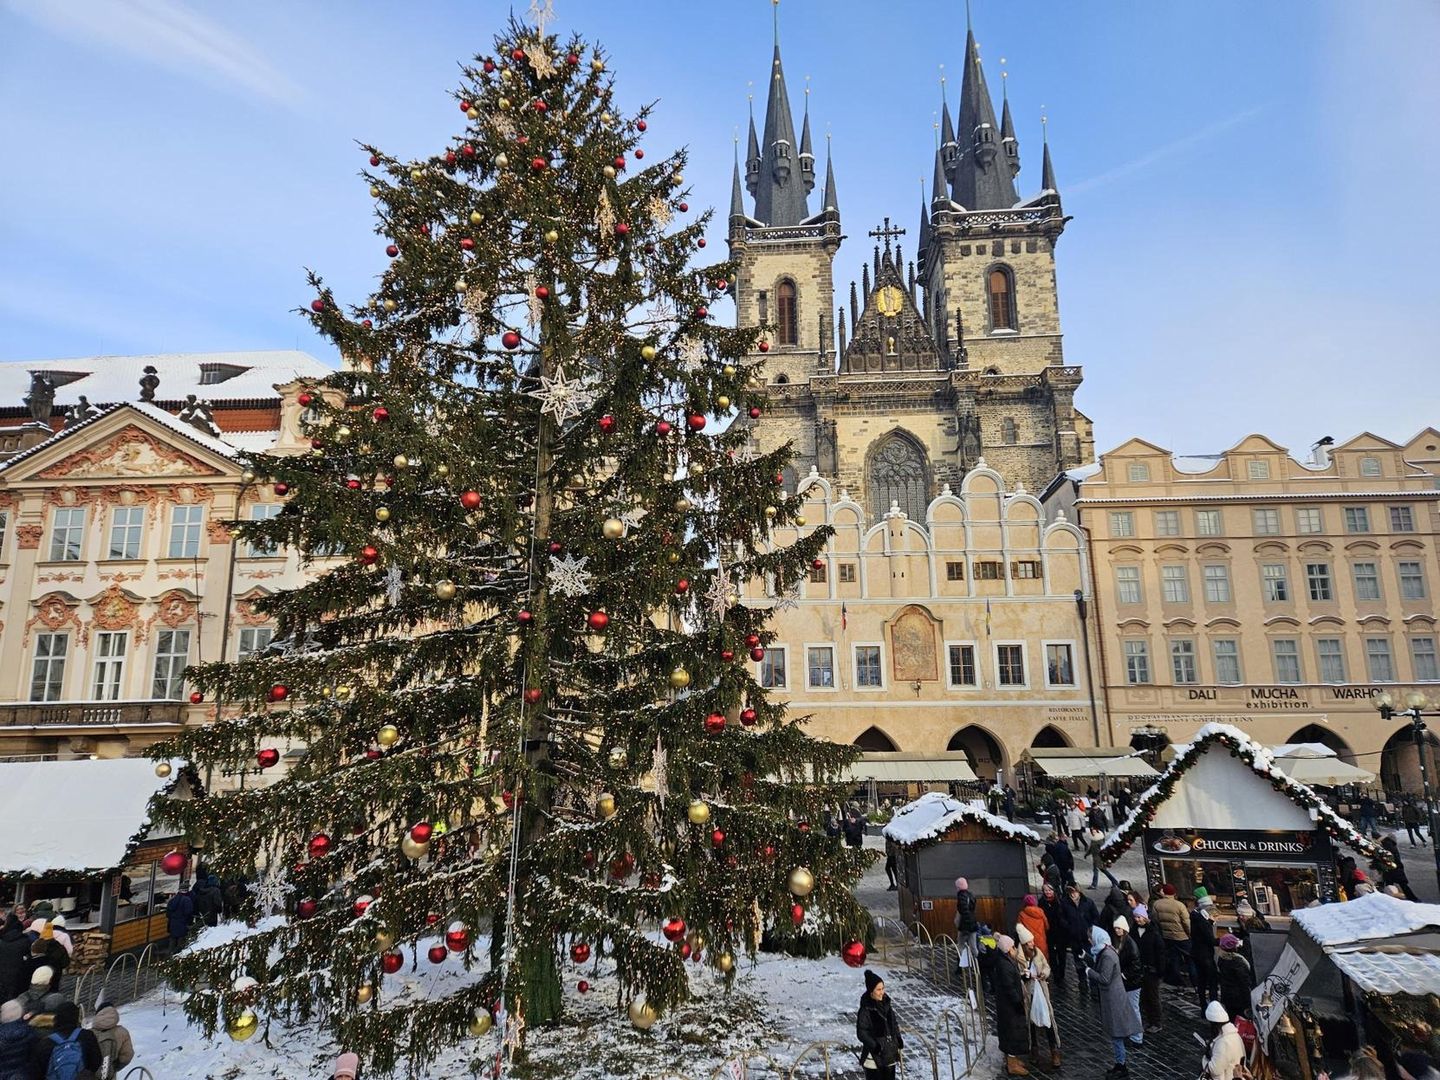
x: 639, y: 154
x: 466, y: 106
x: 622, y: 867
x: 700, y: 242
x: 305, y: 909
x: 470, y: 500
x: 317, y: 443
x: 650, y: 880
x: 702, y: 312
x: 683, y: 207
x: 305, y: 399
x: 764, y: 346
x: 818, y: 564
x: 196, y: 697
x: 696, y: 421
x: 717, y: 837
x: 574, y: 61
x: 391, y: 961
x: 437, y: 954
x: 457, y: 938
x: 369, y: 555
x: 539, y: 164
x: 639, y: 125
x: 526, y: 617
x: 682, y: 586
x: 268, y: 757
x: 606, y: 423
x: 853, y: 954
x: 392, y: 250
x: 467, y: 150
x: 534, y: 694
x: 508, y: 798
x: 542, y: 291
x: 467, y: 244
x: 282, y: 488
x: 803, y: 826
x: 320, y: 845
x: 674, y: 929
x: 366, y: 323
x: 722, y: 284
x: 768, y: 852
x: 583, y: 986
x: 556, y: 548
x: 425, y: 230
x: 374, y: 160
x: 727, y: 655
x: 622, y: 229
x: 362, y: 904
x: 317, y: 305
x: 757, y: 654
x: 663, y: 428
x: 510, y: 339
x: 489, y: 66
x: 380, y: 414
x: 173, y: 862
x: 421, y: 832
x: 579, y: 952
x: 752, y: 640
x: 685, y: 951
x: 539, y: 106
x: 373, y: 754
x: 754, y: 412
x: 797, y: 914
x: 747, y: 717
x: 597, y: 620
x: 714, y: 723
x: 517, y: 55
x: 432, y: 918
x: 619, y: 162
x: 279, y: 692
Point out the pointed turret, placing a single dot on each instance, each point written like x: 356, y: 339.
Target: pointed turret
x: 1047, y: 171
x: 807, y: 155
x: 737, y: 199
x: 1008, y: 143
x: 780, y: 194
x: 938, y: 191
x: 949, y: 148
x: 752, y: 157
x: 982, y: 180
x: 830, y: 203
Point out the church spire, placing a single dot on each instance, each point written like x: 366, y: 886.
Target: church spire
x: 938, y: 192
x: 780, y: 194
x: 807, y: 154
x: 982, y: 179
x: 831, y: 203
x: 924, y: 227
x: 752, y: 154
x: 949, y: 148
x: 1047, y: 171
x: 737, y: 200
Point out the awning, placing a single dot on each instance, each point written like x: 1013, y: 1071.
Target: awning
x: 903, y: 766
x: 1391, y: 971
x: 1071, y: 762
x: 1328, y: 771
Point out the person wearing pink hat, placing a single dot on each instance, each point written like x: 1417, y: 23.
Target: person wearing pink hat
x: 966, y: 925
x: 347, y: 1067
x: 1236, y: 977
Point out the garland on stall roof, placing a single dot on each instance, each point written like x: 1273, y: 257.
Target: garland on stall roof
x: 1259, y: 759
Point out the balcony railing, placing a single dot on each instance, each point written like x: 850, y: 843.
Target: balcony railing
x: 91, y: 714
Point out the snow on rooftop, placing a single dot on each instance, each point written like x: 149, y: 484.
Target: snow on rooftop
x: 106, y: 379
x: 932, y: 814
x: 154, y: 412
x: 1195, y: 463
x: 1084, y: 472
x: 1374, y: 915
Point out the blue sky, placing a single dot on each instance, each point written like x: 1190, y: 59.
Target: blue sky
x: 1253, y: 184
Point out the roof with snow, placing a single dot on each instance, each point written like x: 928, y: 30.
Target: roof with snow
x: 215, y: 377
x: 83, y: 816
x: 1365, y: 918
x: 144, y: 408
x: 1390, y: 971
x: 933, y: 814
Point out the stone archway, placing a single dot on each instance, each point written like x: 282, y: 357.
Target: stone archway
x: 872, y: 739
x: 1400, y: 765
x: 1050, y: 737
x: 981, y: 749
x: 1317, y: 733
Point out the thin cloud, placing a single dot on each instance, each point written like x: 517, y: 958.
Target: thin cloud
x: 170, y: 35
x: 1170, y: 149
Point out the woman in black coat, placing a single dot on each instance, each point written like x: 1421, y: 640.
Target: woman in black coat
x: 1012, y: 1024
x: 878, y: 1031
x: 15, y: 965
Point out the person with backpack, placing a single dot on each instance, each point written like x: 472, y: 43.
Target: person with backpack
x: 116, y: 1049
x: 17, y: 1042
x: 70, y: 1052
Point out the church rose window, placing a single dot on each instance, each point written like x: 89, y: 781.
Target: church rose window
x: 1001, y: 289
x: 897, y: 475
x: 786, y: 324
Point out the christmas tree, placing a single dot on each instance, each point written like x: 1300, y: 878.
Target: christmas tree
x: 524, y: 692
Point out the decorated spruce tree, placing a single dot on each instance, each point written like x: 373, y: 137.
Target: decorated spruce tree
x: 521, y: 677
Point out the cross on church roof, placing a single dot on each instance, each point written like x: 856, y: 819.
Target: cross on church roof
x: 887, y: 232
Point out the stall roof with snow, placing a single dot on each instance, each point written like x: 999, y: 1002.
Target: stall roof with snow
x: 930, y: 817
x: 82, y: 816
x: 1077, y: 762
x: 1366, y: 918
x: 1226, y: 780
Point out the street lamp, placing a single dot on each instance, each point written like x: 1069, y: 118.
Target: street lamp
x: 1416, y: 705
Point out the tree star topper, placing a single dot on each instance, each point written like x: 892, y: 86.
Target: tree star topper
x: 563, y: 398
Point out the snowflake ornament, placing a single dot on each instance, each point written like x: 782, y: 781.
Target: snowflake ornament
x: 569, y: 576
x: 541, y: 12
x: 561, y: 397
x: 717, y: 596
x: 271, y: 892
x: 394, y: 585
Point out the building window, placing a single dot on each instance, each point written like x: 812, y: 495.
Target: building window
x: 47, y: 676
x: 1259, y: 470
x: 847, y: 573
x: 772, y: 669
x: 962, y: 665
x: 1367, y: 581
x: 990, y: 570
x: 1357, y: 519
x: 820, y: 667
x: 817, y: 574
x: 1025, y: 569
x: 868, y: 673
x: 897, y: 477
x: 1139, y: 472
x: 254, y: 639
x: 787, y: 321
x: 1370, y: 466
x: 1059, y: 664
x: 1267, y: 521
x: 1137, y: 662
x: 1378, y: 661
x: 172, y: 655
x: 1182, y: 662
x: 1412, y: 581
x: 1207, y: 523
x: 258, y: 549
x: 1175, y: 584
x: 67, y: 534
x: 1274, y: 583
x: 4, y: 529
x: 1122, y: 523
x: 109, y: 665
x: 1226, y: 652
x: 1422, y: 657
x: 1010, y: 665
x: 185, y: 531
x: 1009, y: 433
x: 1286, y: 654
x: 1127, y: 585
x: 1217, y: 584
x: 1167, y: 523
x: 127, y: 525
x: 1002, y: 299
x: 1330, y: 651
x: 1317, y: 578
x: 954, y: 571
x: 1402, y: 519
x: 1308, y: 520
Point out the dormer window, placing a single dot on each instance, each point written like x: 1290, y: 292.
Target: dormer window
x: 211, y: 374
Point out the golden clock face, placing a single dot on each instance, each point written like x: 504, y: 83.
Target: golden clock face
x: 889, y: 300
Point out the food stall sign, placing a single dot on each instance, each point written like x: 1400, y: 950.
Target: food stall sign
x: 1231, y: 843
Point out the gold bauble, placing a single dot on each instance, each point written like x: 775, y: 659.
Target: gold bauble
x: 728, y: 371
x: 722, y: 402
x: 504, y: 103
x: 445, y: 590
x: 672, y: 557
x: 678, y: 179
x: 442, y: 469
x: 480, y: 1023
x: 502, y: 160
x: 697, y: 470
x: 647, y: 352
x: 642, y: 1013
x: 771, y: 511
x: 696, y: 940
x: 506, y: 75
x: 163, y: 769
x: 698, y: 812
x: 613, y: 529
x: 725, y: 962
x: 605, y: 805
x: 597, y: 65
x: 364, y: 993
x: 605, y: 118
x: 412, y: 849
x: 460, y: 287
x: 382, y: 513
x: 401, y: 461
x: 247, y: 477
x: 472, y: 114
x: 551, y: 236
x: 243, y: 1026
x: 343, y: 433
x: 388, y: 735
x: 679, y: 678
x: 374, y: 192
x: 475, y: 217
x: 317, y: 452
x: 417, y: 175
x: 799, y: 519
x: 682, y: 504
x: 609, y: 171
x: 389, y: 305
x: 384, y: 940
x: 802, y: 882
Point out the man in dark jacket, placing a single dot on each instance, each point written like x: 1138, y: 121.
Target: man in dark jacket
x: 878, y: 1031
x: 17, y: 1041
x: 208, y: 900
x: 854, y: 828
x: 67, y: 1030
x: 1152, y: 969
x: 1410, y: 817
x: 178, y: 914
x: 1059, y: 936
x: 14, y: 959
x: 1064, y: 861
x: 1080, y: 915
x: 1202, y: 950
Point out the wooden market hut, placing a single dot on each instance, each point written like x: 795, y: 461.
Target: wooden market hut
x: 941, y: 838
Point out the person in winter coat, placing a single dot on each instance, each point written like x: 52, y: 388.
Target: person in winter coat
x: 892, y: 864
x: 1075, y: 823
x: 1132, y: 970
x: 1394, y: 874
x: 878, y: 1031
x: 1012, y: 1021
x: 1097, y: 863
x: 1117, y: 906
x: 1033, y: 918
x: 1120, y: 1021
x: 116, y: 1049
x: 1081, y: 916
x: 854, y: 829
x: 67, y: 1031
x: 14, y: 959
x: 209, y: 902
x: 966, y: 924
x: 1202, y: 950
x: 1096, y: 819
x: 179, y: 913
x: 1410, y: 818
x: 17, y: 1042
x: 1234, y: 977
x: 39, y: 1000
x: 1152, y: 970
x: 1057, y: 920
x: 1172, y: 919
x: 1064, y: 861
x: 1035, y: 975
x: 1227, y: 1049
x: 1050, y: 873
x: 49, y: 953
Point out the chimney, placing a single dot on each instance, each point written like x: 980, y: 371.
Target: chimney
x: 1320, y: 452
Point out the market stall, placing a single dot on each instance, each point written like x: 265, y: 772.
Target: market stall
x: 85, y: 843
x: 906, y: 774
x: 1318, y: 765
x: 940, y: 839
x: 1224, y: 815
x: 1041, y: 769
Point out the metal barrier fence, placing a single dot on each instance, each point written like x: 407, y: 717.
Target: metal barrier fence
x: 128, y: 977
